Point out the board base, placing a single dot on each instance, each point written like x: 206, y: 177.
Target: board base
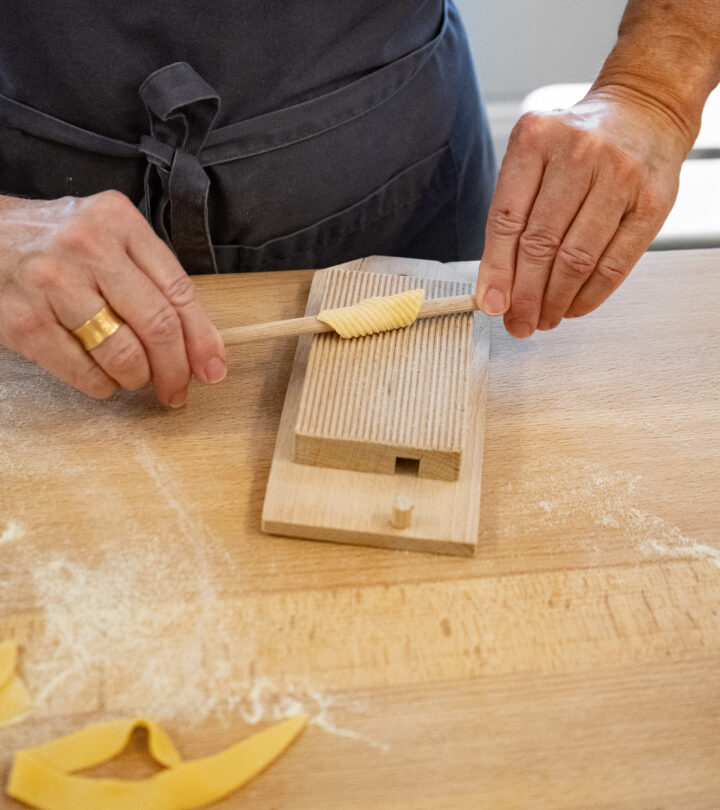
x: 347, y: 506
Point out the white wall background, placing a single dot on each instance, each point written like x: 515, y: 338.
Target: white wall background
x: 519, y: 45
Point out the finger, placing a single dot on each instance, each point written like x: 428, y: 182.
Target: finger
x: 517, y: 187
x: 36, y: 334
x: 157, y: 325
x: 561, y: 195
x: 631, y: 240
x: 588, y: 236
x: 123, y: 358
x: 121, y: 355
x: 61, y: 354
x: 205, y: 347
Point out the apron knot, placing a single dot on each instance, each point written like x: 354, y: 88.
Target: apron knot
x: 182, y: 108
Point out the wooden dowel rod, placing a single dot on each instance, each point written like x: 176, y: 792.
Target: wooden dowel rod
x: 311, y: 325
x: 447, y: 306
x: 260, y: 331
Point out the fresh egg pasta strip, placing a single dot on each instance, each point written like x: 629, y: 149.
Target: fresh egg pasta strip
x: 14, y: 698
x: 374, y: 314
x: 41, y: 776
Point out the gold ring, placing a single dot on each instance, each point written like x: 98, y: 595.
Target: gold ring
x: 93, y: 332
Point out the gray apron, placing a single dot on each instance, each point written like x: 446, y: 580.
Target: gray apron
x: 393, y: 159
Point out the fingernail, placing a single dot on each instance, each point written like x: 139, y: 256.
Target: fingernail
x: 520, y: 329
x: 494, y: 302
x: 178, y: 400
x: 215, y: 370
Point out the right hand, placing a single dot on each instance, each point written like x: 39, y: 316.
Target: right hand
x: 581, y: 195
x: 61, y: 261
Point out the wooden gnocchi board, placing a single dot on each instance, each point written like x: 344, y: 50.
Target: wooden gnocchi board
x: 386, y: 422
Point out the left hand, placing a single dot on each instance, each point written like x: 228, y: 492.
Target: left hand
x: 581, y: 195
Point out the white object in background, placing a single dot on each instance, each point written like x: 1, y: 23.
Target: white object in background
x: 695, y: 218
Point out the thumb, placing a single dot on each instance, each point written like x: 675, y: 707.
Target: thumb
x: 493, y: 290
x: 494, y: 285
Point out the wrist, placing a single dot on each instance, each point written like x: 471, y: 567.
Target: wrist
x: 652, y: 103
x: 665, y: 61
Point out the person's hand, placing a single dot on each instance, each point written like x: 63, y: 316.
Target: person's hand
x: 580, y: 196
x: 61, y: 261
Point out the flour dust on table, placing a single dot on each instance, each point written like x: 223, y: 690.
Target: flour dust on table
x: 13, y: 531
x: 559, y: 492
x: 114, y: 638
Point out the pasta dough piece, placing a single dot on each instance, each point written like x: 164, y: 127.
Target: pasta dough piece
x: 374, y: 314
x: 41, y: 776
x: 15, y: 701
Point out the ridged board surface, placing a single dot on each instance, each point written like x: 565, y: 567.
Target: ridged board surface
x: 403, y: 390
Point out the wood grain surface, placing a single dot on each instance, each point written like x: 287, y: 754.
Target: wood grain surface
x: 574, y: 662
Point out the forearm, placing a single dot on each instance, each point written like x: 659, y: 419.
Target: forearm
x: 668, y: 56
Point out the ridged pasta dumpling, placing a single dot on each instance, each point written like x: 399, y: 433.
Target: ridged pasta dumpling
x: 376, y: 314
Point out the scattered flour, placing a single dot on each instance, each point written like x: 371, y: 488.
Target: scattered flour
x: 322, y: 719
x: 264, y: 701
x: 690, y: 550
x: 570, y: 493
x: 114, y: 637
x: 13, y: 531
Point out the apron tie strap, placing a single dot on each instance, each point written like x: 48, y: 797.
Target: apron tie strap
x: 182, y: 108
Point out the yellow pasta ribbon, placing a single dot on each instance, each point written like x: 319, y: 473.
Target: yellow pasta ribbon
x: 14, y: 698
x: 41, y: 776
x: 376, y: 314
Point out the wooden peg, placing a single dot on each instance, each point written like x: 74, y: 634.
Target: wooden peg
x: 402, y: 512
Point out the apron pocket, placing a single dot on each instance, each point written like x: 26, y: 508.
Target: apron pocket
x: 382, y: 222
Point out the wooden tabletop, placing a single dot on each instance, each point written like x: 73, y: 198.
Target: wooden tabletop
x: 573, y: 663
